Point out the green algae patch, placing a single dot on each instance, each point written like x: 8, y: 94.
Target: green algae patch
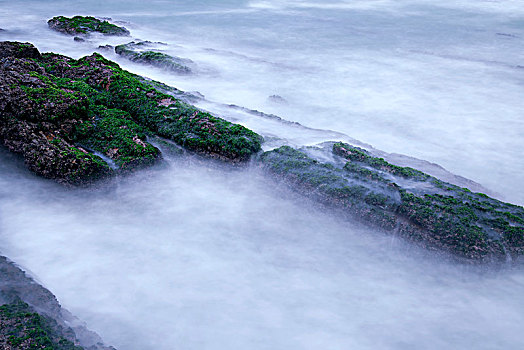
x: 373, y: 202
x: 83, y: 25
x: 113, y: 133
x: 362, y: 157
x: 406, y: 201
x: 22, y: 328
x: 162, y: 114
x: 473, y: 223
x: 141, y: 52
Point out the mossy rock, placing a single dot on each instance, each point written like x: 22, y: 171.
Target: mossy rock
x: 41, y: 116
x: 37, y: 114
x: 65, y: 116
x: 84, y: 25
x: 21, y: 328
x: 407, y: 202
x: 162, y: 114
x: 113, y: 133
x: 141, y: 52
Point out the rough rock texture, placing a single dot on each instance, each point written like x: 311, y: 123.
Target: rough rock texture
x: 81, y: 25
x: 407, y: 202
x: 38, y: 117
x: 18, y: 50
x: 22, y: 328
x: 158, y: 112
x: 32, y: 318
x: 144, y: 52
x: 63, y: 114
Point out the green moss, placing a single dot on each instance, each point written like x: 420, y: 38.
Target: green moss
x: 91, y: 105
x: 305, y: 171
x: 155, y: 58
x: 360, y: 156
x: 455, y: 224
x: 52, y: 95
x: 74, y: 165
x: 434, y: 213
x: 24, y: 326
x: 361, y: 171
x: 114, y: 133
x: 178, y: 121
x: 84, y: 25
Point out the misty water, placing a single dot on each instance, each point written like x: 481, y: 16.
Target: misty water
x: 195, y: 255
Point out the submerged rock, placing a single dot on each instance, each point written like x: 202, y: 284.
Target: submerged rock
x: 406, y: 202
x: 79, y: 39
x: 84, y: 25
x: 58, y: 112
x: 141, y: 52
x: 277, y: 99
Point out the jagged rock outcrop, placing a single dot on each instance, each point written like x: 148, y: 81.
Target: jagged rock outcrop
x: 405, y: 201
x: 38, y: 118
x: 85, y: 25
x: 62, y: 115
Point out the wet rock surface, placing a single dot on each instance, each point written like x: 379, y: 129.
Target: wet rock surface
x: 38, y: 117
x: 85, y: 25
x: 32, y: 318
x: 58, y: 112
x: 18, y: 50
x: 406, y: 202
x: 145, y: 52
x: 106, y: 47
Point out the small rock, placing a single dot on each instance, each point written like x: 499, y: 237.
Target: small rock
x: 277, y: 99
x: 77, y: 38
x: 106, y: 47
x: 508, y: 35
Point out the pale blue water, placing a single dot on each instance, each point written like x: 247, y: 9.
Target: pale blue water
x: 201, y: 258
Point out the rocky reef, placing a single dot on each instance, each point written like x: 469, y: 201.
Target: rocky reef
x: 144, y: 52
x: 79, y: 121
x: 32, y: 318
x: 85, y: 25
x: 405, y: 201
